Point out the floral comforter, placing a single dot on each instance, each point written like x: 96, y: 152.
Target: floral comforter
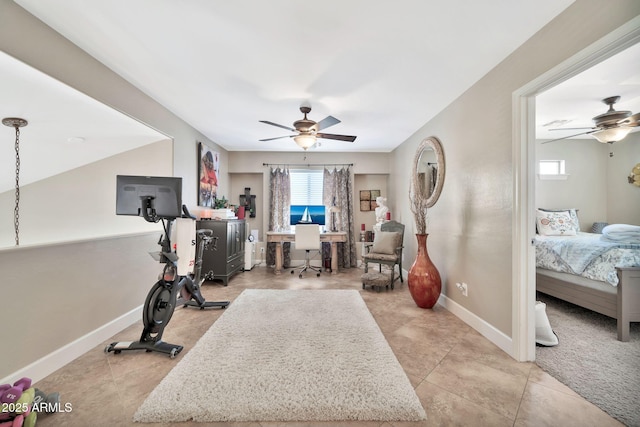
x: 587, y: 255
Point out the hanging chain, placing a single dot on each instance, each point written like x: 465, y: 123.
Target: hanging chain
x: 16, y: 123
x: 16, y: 210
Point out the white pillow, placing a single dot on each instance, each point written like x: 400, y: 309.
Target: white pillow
x: 385, y: 242
x: 555, y: 223
x: 573, y: 213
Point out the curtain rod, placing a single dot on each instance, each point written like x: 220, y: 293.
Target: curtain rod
x: 307, y: 164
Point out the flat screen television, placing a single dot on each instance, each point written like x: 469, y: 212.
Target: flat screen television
x: 307, y: 214
x: 149, y: 196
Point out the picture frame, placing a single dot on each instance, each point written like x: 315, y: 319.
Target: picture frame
x: 374, y: 196
x: 368, y: 200
x: 365, y: 200
x: 208, y: 175
x: 248, y: 200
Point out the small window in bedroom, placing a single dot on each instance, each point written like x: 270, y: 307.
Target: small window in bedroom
x: 551, y: 169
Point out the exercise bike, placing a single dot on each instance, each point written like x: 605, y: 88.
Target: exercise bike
x: 169, y: 291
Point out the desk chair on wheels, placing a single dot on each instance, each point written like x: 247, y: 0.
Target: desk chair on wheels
x: 308, y: 238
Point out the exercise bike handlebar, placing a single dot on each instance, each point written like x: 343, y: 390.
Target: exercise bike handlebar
x: 186, y: 213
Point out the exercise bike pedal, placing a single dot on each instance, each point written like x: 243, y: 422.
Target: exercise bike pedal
x: 206, y: 304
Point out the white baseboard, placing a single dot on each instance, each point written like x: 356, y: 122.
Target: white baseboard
x: 504, y: 342
x: 65, y: 354
x: 488, y: 331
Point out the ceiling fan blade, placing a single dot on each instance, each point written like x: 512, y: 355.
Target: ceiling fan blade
x: 570, y: 128
x: 338, y: 137
x: 570, y: 136
x: 277, y: 125
x: 326, y: 122
x: 278, y: 137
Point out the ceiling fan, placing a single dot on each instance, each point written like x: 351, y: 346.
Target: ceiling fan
x: 610, y: 127
x: 307, y: 131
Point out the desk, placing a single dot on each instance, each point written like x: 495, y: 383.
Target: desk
x: 280, y: 237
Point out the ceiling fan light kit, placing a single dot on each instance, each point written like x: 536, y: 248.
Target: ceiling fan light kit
x: 308, y: 131
x: 611, y: 135
x: 305, y: 141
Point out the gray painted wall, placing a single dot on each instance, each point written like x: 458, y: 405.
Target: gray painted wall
x: 55, y: 292
x: 596, y: 184
x: 54, y: 295
x: 81, y: 203
x: 471, y: 226
x: 623, y: 199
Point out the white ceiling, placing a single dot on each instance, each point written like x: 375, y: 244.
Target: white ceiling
x: 383, y: 68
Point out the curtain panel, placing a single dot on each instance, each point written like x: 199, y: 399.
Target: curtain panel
x: 279, y: 204
x: 338, y: 188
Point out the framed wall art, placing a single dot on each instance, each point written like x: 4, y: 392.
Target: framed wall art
x: 208, y: 171
x: 368, y: 200
x: 365, y: 200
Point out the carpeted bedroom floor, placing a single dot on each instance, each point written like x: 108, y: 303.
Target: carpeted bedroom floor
x: 590, y: 359
x: 459, y: 376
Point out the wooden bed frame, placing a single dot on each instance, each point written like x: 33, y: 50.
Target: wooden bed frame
x: 621, y: 302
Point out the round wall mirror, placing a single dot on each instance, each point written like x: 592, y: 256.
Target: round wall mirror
x: 428, y: 170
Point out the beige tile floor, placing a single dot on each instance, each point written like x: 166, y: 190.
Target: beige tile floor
x: 461, y: 378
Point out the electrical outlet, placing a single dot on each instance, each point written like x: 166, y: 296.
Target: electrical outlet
x: 463, y: 289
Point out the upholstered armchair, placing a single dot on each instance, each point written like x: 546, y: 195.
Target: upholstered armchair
x: 386, y: 249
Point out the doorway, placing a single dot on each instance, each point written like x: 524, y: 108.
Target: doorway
x: 523, y: 101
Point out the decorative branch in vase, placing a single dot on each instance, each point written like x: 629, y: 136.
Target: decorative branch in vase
x: 418, y: 205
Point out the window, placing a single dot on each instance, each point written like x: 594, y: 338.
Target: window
x: 306, y: 186
x: 551, y: 169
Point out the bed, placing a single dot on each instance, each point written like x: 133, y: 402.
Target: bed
x: 589, y: 269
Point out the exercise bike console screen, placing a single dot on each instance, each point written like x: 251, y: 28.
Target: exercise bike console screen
x: 149, y: 196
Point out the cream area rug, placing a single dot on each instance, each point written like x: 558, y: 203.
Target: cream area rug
x: 287, y: 355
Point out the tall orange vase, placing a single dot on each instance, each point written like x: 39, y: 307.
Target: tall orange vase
x: 424, y: 279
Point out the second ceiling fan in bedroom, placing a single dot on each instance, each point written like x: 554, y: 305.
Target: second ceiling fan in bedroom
x: 609, y: 127
x: 308, y: 131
